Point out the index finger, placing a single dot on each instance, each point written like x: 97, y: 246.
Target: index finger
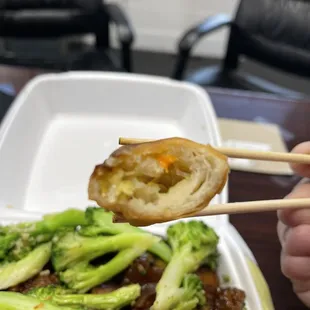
x: 302, y: 169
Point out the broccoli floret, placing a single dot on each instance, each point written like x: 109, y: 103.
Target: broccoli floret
x: 100, y: 222
x: 30, y: 234
x: 71, y: 248
x: 83, y: 276
x: 212, y: 260
x: 14, y: 273
x: 46, y: 292
x: 114, y: 300
x: 192, y: 242
x: 18, y: 301
x: 7, y: 242
x: 191, y: 294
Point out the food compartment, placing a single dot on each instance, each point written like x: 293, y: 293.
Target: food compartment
x: 62, y: 125
x: 232, y: 271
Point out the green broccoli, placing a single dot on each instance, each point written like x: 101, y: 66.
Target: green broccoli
x: 47, y: 292
x: 21, y: 238
x: 7, y: 242
x: 100, y: 222
x: 14, y: 273
x: 114, y: 300
x: 192, y: 242
x: 49, y: 223
x: 71, y: 248
x: 18, y: 301
x: 190, y: 295
x: 212, y: 260
x: 83, y: 276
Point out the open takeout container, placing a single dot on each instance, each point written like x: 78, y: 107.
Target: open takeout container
x: 62, y: 125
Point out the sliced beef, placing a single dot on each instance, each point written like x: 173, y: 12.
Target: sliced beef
x: 45, y: 278
x: 145, y: 269
x: 147, y: 297
x: 105, y: 288
x: 226, y: 299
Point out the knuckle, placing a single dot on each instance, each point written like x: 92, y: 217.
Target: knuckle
x: 294, y: 267
x: 297, y: 241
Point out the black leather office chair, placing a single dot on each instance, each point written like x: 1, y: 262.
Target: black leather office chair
x: 27, y: 28
x: 273, y: 32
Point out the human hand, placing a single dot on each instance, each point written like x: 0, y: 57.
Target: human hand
x: 294, y: 233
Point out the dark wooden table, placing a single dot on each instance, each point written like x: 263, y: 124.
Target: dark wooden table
x: 258, y: 230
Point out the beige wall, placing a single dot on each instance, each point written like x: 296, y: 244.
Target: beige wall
x: 159, y: 23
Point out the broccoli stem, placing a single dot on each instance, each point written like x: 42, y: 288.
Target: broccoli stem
x: 100, y: 222
x: 72, y: 248
x: 52, y: 222
x: 109, y: 301
x: 17, y: 301
x: 176, y: 271
x: 192, y: 243
x: 67, y: 218
x: 170, y: 282
x: 14, y: 273
x: 160, y: 249
x: 49, y: 224
x: 83, y: 277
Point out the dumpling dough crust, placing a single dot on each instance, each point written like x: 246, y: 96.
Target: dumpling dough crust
x: 158, y: 181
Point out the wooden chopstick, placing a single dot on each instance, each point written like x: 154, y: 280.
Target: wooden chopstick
x: 246, y: 154
x: 254, y: 206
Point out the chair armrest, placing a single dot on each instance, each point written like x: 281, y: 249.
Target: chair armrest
x: 122, y: 23
x: 125, y: 33
x: 192, y: 37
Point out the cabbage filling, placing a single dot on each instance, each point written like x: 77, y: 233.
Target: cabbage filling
x: 147, y: 181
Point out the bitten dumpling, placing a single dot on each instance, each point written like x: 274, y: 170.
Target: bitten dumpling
x: 158, y: 181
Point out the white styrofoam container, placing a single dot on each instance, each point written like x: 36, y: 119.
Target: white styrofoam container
x: 62, y: 125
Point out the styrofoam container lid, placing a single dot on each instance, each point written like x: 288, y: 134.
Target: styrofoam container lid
x: 62, y: 125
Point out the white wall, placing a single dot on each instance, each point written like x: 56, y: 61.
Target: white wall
x: 160, y: 23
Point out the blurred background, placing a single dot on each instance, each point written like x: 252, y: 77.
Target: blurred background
x: 29, y: 37
x: 160, y: 24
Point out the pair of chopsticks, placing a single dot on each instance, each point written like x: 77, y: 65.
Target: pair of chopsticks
x: 250, y: 206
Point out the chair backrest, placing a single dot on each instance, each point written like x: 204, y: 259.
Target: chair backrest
x: 274, y: 32
x: 53, y: 18
x: 41, y: 4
